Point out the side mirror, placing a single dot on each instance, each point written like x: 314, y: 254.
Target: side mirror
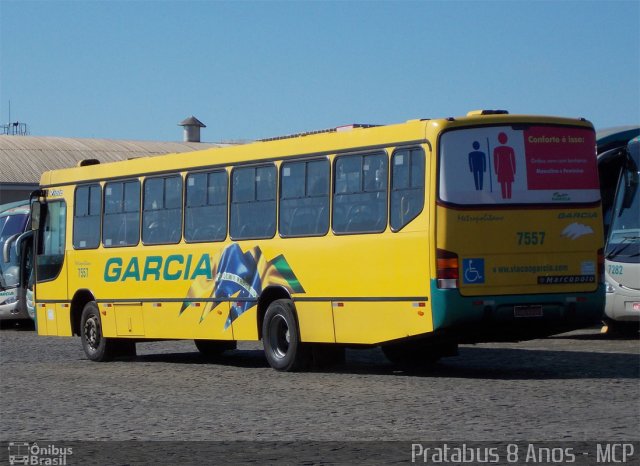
x: 35, y: 216
x: 6, y: 248
x: 26, y: 236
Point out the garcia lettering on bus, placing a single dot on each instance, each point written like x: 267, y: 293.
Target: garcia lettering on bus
x: 174, y: 267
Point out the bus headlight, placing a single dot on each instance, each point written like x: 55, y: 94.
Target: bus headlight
x: 609, y: 288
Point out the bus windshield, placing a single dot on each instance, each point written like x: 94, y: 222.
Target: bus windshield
x: 624, y: 235
x: 518, y: 164
x: 10, y: 225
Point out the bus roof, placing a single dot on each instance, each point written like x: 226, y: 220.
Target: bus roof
x: 347, y: 138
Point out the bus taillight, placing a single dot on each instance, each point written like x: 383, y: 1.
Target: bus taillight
x: 447, y: 272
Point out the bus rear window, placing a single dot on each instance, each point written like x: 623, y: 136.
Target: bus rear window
x: 518, y: 165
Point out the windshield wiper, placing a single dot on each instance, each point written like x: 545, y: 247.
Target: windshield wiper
x: 629, y: 240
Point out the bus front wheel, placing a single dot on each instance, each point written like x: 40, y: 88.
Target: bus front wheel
x: 281, y: 338
x: 95, y: 345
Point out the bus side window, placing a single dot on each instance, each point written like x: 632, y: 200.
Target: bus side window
x: 162, y: 212
x: 360, y: 194
x: 86, y: 217
x: 253, y: 202
x: 304, y: 198
x: 121, y: 218
x: 112, y: 213
x: 131, y: 235
x: 206, y: 207
x: 407, y: 186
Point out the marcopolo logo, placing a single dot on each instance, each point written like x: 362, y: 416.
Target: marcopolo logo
x: 34, y: 454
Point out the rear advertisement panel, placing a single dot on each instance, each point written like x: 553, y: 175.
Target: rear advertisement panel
x: 518, y: 165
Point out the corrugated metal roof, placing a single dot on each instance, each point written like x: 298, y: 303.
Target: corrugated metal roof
x: 24, y: 158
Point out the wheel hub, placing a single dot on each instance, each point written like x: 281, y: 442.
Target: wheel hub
x: 280, y: 337
x: 92, y: 335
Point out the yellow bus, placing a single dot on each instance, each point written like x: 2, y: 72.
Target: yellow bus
x: 415, y: 236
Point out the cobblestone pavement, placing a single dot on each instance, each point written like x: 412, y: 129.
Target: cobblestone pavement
x: 578, y: 386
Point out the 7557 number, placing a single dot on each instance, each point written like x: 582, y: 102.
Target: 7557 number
x: 530, y: 238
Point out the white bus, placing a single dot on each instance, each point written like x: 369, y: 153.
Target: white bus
x: 622, y: 251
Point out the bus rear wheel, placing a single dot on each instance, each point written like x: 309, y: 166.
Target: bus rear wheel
x: 95, y: 345
x: 281, y: 338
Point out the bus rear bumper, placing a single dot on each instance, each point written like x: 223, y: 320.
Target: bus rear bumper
x: 514, y: 317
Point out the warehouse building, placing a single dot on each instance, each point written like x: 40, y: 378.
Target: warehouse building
x: 23, y: 159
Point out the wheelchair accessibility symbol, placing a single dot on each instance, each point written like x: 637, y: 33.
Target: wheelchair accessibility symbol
x: 473, y: 271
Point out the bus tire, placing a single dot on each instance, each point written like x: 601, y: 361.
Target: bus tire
x: 95, y: 345
x: 281, y: 338
x: 211, y: 349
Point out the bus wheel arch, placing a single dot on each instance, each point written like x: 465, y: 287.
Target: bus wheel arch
x: 79, y: 301
x: 269, y: 295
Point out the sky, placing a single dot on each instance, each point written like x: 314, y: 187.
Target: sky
x: 250, y: 70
